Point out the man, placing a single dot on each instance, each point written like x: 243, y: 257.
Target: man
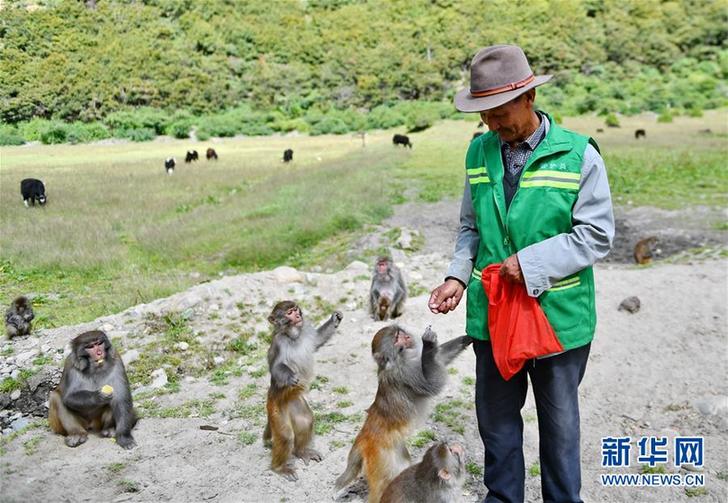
x: 536, y: 200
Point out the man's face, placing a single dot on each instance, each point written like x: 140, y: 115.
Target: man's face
x: 511, y: 121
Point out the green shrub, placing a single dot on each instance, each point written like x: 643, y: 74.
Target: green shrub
x: 665, y: 116
x: 179, y: 130
x: 384, y: 117
x: 55, y: 132
x: 140, y: 134
x: 329, y: 125
x: 611, y: 120
x: 138, y: 119
x: 10, y: 135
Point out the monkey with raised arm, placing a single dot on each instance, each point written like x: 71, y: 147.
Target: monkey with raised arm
x: 436, y: 479
x: 388, y: 291
x: 93, y: 394
x: 18, y: 317
x: 289, y: 430
x: 410, y: 370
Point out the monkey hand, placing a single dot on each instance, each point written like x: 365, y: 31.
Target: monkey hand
x: 292, y: 380
x: 103, y: 396
x: 429, y: 337
x: 465, y: 341
x: 337, y: 317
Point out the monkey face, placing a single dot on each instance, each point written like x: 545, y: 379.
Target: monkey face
x: 449, y: 459
x: 403, y: 340
x: 96, y: 351
x: 89, y: 347
x: 294, y: 316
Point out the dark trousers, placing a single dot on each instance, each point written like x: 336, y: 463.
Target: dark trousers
x: 498, y: 406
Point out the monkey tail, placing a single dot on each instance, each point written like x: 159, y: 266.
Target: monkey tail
x: 353, y: 468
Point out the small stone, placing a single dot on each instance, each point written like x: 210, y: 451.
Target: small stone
x: 218, y: 360
x: 20, y: 423
x: 46, y: 348
x: 182, y: 346
x: 107, y: 327
x: 286, y: 274
x: 130, y: 356
x: 15, y: 395
x: 713, y: 406
x: 26, y: 356
x: 159, y: 379
x: 190, y: 379
x: 630, y: 304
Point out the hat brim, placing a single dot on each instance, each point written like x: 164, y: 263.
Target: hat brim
x: 466, y: 102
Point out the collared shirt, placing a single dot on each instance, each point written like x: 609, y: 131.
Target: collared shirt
x: 515, y: 158
x: 546, y: 262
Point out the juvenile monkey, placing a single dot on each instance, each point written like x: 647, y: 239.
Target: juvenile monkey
x: 388, y: 291
x: 436, y: 479
x: 643, y: 250
x: 289, y: 430
x: 410, y: 372
x: 18, y: 317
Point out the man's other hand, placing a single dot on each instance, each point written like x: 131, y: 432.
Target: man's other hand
x: 446, y: 297
x: 511, y: 269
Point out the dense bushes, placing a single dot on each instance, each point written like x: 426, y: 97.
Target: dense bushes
x: 334, y: 66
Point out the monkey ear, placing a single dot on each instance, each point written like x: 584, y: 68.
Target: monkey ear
x: 81, y: 363
x: 381, y: 359
x: 444, y: 474
x: 271, y: 319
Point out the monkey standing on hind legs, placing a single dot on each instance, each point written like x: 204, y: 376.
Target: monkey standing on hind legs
x: 93, y: 393
x: 289, y: 429
x: 435, y: 479
x: 410, y: 372
x: 18, y: 317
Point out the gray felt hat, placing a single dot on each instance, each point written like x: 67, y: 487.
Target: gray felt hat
x: 498, y: 74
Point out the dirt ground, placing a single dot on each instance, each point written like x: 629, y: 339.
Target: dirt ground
x: 658, y: 372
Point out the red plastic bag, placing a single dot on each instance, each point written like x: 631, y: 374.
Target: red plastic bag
x: 519, y: 329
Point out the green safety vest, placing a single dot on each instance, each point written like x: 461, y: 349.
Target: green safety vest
x: 541, y: 208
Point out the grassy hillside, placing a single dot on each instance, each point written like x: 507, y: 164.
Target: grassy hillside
x: 117, y: 231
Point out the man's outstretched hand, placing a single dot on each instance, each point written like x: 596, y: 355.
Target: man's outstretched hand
x: 446, y: 297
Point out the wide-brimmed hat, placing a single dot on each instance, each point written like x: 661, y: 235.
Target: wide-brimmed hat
x: 498, y: 74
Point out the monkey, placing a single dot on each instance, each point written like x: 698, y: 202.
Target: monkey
x: 211, y: 154
x: 18, y: 317
x: 433, y: 480
x: 388, y: 291
x: 93, y: 394
x: 410, y: 371
x: 640, y: 133
x: 643, y: 250
x: 289, y: 429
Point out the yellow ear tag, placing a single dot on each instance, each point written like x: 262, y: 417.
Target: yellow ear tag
x: 107, y: 390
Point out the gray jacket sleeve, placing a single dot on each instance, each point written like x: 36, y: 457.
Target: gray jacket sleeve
x: 466, y: 246
x: 590, y: 239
